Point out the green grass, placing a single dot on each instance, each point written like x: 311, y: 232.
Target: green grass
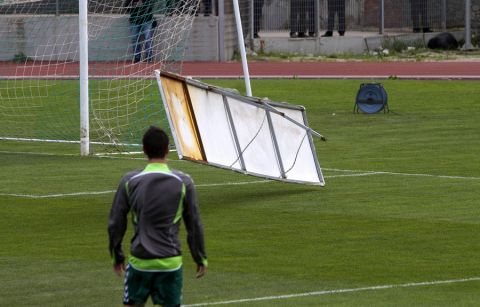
x: 419, y: 221
x: 46, y: 109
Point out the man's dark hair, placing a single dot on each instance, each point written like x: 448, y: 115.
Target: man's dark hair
x: 155, y: 143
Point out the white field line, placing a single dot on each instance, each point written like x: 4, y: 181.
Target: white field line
x: 352, y: 175
x: 402, y: 174
x: 355, y: 174
x: 33, y: 196
x: 365, y: 172
x: 337, y: 291
x: 120, y: 155
x: 35, y: 153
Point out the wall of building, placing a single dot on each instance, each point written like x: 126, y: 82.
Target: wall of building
x: 55, y: 38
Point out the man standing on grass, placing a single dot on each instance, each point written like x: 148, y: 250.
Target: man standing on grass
x: 158, y: 197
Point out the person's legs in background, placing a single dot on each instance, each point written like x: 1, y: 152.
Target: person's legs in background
x: 136, y: 42
x: 257, y: 16
x: 147, y: 31
x: 207, y: 7
x: 302, y: 17
x: 295, y: 12
x: 415, y: 14
x: 424, y: 16
x: 310, y: 7
x: 341, y: 16
x: 331, y: 18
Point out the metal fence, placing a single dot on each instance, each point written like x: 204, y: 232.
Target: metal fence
x: 317, y: 17
x: 294, y: 18
x: 297, y: 17
x: 58, y: 7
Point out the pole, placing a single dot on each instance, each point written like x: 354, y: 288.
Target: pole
x: 444, y: 15
x: 241, y: 44
x: 83, y: 51
x: 251, y: 21
x: 221, y: 31
x: 382, y: 17
x: 468, y: 29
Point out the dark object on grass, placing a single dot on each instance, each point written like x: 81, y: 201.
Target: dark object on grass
x: 444, y: 41
x: 371, y: 98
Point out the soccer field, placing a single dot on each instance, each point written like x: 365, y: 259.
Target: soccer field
x: 397, y: 224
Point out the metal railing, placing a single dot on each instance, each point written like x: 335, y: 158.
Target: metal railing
x: 276, y: 16
x: 268, y: 17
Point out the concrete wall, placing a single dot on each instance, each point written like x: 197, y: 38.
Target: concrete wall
x: 204, y: 44
x: 338, y: 45
x: 52, y: 38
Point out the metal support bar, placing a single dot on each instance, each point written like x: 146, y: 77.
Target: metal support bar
x: 275, y: 145
x: 274, y: 110
x: 234, y: 133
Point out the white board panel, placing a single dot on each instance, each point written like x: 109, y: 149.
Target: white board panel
x: 222, y: 128
x: 181, y: 118
x: 255, y: 138
x: 294, y: 147
x: 215, y: 132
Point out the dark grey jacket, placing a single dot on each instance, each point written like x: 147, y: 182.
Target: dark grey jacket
x: 158, y: 199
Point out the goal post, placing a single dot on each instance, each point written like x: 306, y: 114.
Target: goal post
x: 83, y: 46
x: 87, y: 64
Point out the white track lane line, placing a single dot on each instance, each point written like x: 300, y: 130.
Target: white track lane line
x: 337, y: 291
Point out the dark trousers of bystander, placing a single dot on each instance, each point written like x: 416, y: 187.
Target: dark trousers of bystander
x: 419, y: 15
x: 257, y: 16
x: 336, y: 7
x: 302, y: 14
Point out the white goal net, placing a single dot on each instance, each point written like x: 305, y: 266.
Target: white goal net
x: 39, y: 67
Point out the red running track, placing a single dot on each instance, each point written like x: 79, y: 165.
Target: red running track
x: 407, y: 70
x: 359, y: 70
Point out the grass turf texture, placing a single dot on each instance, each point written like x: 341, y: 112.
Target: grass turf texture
x: 47, y: 109
x: 270, y: 239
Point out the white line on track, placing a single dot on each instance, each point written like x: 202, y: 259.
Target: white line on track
x: 336, y: 291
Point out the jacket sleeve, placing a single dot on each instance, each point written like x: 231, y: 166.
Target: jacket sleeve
x: 117, y: 222
x: 193, y: 224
